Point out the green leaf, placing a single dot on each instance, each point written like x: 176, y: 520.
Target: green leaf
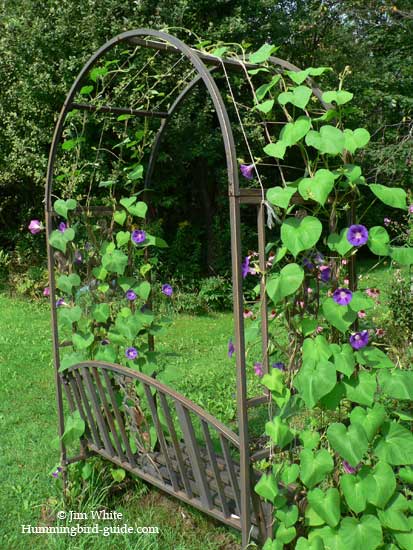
x: 315, y: 466
x: 136, y: 173
x: 341, y: 317
x: 298, y: 235
x: 280, y: 196
x: 360, y: 301
x: 274, y: 381
x: 339, y: 243
x: 373, y: 357
x: 392, y: 517
x: 354, y: 490
x: 299, y: 97
x: 285, y: 283
x: 287, y: 515
x: 82, y: 341
x: 329, y: 140
x: 267, y: 487
x: 100, y: 273
x: 115, y: 262
x: 326, y: 505
x: 314, y: 380
x: 317, y: 188
x: 379, y: 241
x: 74, y: 428
x: 344, y: 360
x: 310, y: 439
x: 85, y: 90
x: 290, y: 473
x: 122, y: 238
x: 106, y: 353
x: 380, y: 485
x: 356, y: 139
x: 279, y: 432
x: 330, y: 537
x: 262, y: 91
x: 276, y: 150
x: 262, y: 54
x: 362, y: 534
x: 370, y: 419
x: 67, y: 282
x: 118, y: 474
x: 406, y: 475
x: 60, y: 239
x: 266, y: 106
x: 315, y: 544
x: 299, y: 76
x: 405, y: 540
x: 293, y: 132
x: 316, y: 349
x: 340, y: 97
x: 139, y: 209
x: 285, y: 534
x: 308, y: 326
x: 351, y: 443
x: 143, y: 290
x: 396, y: 444
x: 361, y: 389
x: 392, y: 196
x: 71, y: 359
x: 98, y: 73
x: 402, y: 255
x: 120, y: 217
x: 101, y: 313
x: 70, y: 144
x: 397, y: 384
x: 62, y: 207
x: 272, y: 544
x: 69, y: 315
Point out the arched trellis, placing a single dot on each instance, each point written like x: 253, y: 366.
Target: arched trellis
x: 212, y: 482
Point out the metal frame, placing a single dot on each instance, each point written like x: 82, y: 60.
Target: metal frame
x: 87, y: 379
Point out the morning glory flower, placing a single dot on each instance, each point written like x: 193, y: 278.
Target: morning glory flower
x: 359, y: 340
x: 357, y: 235
x: 61, y: 302
x: 258, y: 369
x: 342, y: 296
x: 57, y: 472
x: 138, y: 236
x: 130, y: 295
x: 231, y: 349
x: 246, y: 269
x: 35, y: 226
x: 325, y: 272
x: 62, y: 227
x: 347, y: 468
x: 131, y: 353
x: 307, y: 263
x: 279, y: 365
x: 78, y: 258
x: 104, y: 342
x: 247, y: 170
x: 46, y: 291
x: 411, y: 209
x: 167, y: 290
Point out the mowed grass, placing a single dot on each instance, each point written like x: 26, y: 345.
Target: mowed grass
x: 194, y: 351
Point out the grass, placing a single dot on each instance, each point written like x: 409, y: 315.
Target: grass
x: 196, y: 352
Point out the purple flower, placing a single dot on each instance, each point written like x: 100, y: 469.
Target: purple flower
x: 246, y: 269
x: 130, y: 295
x: 167, y: 290
x: 62, y: 227
x: 325, y: 272
x: 104, y: 342
x: 247, y: 170
x: 138, y: 236
x: 35, y: 226
x: 46, y: 291
x: 347, y: 468
x: 279, y: 365
x: 248, y: 314
x: 231, y: 349
x: 56, y: 473
x: 61, y: 302
x: 78, y: 258
x: 387, y: 221
x: 357, y: 235
x: 131, y: 353
x: 359, y: 340
x: 258, y: 369
x: 342, y: 296
x: 307, y: 263
x: 318, y: 258
x: 411, y: 209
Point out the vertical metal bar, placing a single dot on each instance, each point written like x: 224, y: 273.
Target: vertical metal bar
x: 245, y: 485
x: 198, y: 467
x: 233, y: 479
x: 263, y: 293
x: 96, y: 408
x: 176, y: 446
x: 66, y: 388
x: 119, y: 420
x: 95, y: 435
x: 108, y: 414
x: 161, y: 437
x: 79, y: 405
x: 213, y: 460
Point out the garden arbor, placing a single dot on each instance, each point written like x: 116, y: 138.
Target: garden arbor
x: 191, y: 455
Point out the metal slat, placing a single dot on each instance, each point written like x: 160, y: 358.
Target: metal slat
x: 96, y: 408
x: 91, y: 420
x: 108, y: 414
x: 118, y: 110
x: 232, y: 474
x: 161, y: 437
x: 119, y: 420
x: 214, y: 464
x: 175, y: 442
x: 194, y: 455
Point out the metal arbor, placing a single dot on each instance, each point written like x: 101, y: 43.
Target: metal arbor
x: 218, y: 482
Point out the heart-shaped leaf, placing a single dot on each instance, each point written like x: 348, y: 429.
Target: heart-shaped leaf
x: 62, y: 207
x: 379, y: 241
x: 392, y: 517
x: 318, y: 187
x: 74, y: 429
x: 262, y: 91
x: 338, y: 96
x: 355, y: 490
x: 299, y: 97
x: 285, y: 283
x: 101, y: 313
x: 122, y: 238
x: 293, y: 132
x: 69, y: 315
x: 274, y: 381
x: 316, y: 349
x: 67, y: 282
x: 267, y: 487
x: 106, y: 353
x: 298, y: 235
x: 339, y: 243
x: 392, y: 196
x: 71, y: 359
x: 60, y: 239
x: 344, y: 360
x: 403, y: 255
x: 361, y: 389
x: 356, y: 139
x: 120, y: 217
x: 315, y: 380
x: 396, y: 444
x: 370, y: 419
x: 82, y: 341
x: 266, y: 106
x: 360, y: 534
x: 341, y: 317
x: 279, y: 432
x: 143, y: 290
x: 310, y: 439
x: 329, y: 140
x: 315, y: 544
x: 326, y: 505
x: 351, y: 443
x: 290, y: 473
x: 315, y: 466
x: 397, y: 384
x: 115, y: 262
x: 285, y: 534
x: 404, y: 540
x: 287, y: 515
x: 380, y: 485
x: 136, y: 173
x: 276, y: 150
x: 262, y: 54
x: 280, y: 196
